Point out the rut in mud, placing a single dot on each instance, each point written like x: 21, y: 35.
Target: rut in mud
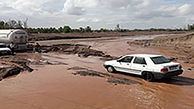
x: 109, y: 78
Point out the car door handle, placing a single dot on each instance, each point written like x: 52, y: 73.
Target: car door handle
x: 143, y: 65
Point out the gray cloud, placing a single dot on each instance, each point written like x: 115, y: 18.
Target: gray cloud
x: 100, y: 13
x: 70, y: 7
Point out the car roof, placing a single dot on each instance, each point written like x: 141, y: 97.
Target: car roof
x: 144, y: 55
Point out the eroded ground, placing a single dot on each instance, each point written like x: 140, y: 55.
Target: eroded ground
x: 70, y: 74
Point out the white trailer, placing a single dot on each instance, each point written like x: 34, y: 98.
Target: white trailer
x: 17, y: 39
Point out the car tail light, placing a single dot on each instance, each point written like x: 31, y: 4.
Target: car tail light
x: 180, y: 67
x: 164, y: 70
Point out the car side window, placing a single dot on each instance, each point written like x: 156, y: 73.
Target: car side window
x: 139, y: 60
x: 127, y: 59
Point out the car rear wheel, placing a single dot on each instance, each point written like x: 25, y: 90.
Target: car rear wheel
x: 148, y: 76
x: 110, y: 69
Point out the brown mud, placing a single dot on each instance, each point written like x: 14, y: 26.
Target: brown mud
x: 56, y: 82
x: 14, y: 65
x: 110, y: 78
x: 60, y: 36
x: 181, y: 45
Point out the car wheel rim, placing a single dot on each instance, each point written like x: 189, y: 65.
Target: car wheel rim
x: 148, y: 76
x: 110, y: 69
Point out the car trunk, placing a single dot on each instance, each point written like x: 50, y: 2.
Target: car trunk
x: 171, y: 66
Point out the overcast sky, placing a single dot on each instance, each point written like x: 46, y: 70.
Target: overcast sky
x: 129, y: 14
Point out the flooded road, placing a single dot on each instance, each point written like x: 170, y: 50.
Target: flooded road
x: 61, y: 85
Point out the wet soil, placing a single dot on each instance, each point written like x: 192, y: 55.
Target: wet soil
x: 63, y: 78
x: 60, y: 36
x: 110, y: 78
x: 15, y: 64
x: 181, y: 45
x: 79, y: 49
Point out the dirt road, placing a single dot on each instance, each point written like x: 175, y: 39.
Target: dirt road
x: 74, y: 82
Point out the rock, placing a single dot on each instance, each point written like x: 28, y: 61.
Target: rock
x: 186, y: 62
x: 10, y: 71
x: 189, y: 69
x: 172, y: 58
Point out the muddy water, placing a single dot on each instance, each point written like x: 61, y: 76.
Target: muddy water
x: 56, y: 87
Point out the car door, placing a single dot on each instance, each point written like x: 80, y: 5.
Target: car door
x: 124, y: 64
x: 138, y: 65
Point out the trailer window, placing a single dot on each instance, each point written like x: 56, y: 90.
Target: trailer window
x: 20, y: 33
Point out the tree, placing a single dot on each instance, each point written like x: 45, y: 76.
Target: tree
x: 88, y: 29
x: 66, y: 29
x: 12, y: 24
x: 103, y: 30
x: 81, y: 29
x: 117, y: 27
x: 19, y: 25
x: 191, y: 27
x: 60, y: 29
x: 25, y: 23
x: 2, y: 23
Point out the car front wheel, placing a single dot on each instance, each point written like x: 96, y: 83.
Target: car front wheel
x: 110, y: 69
x: 148, y: 76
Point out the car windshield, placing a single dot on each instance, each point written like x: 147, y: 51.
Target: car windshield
x: 160, y: 60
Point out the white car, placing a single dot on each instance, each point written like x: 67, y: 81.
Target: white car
x: 150, y: 67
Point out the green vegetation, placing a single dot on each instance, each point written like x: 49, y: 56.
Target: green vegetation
x: 66, y: 29
x: 13, y: 24
x: 191, y: 27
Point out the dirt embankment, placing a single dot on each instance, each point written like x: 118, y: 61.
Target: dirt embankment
x: 182, y: 45
x: 58, y: 36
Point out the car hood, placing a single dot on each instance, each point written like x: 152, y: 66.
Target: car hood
x: 110, y: 62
